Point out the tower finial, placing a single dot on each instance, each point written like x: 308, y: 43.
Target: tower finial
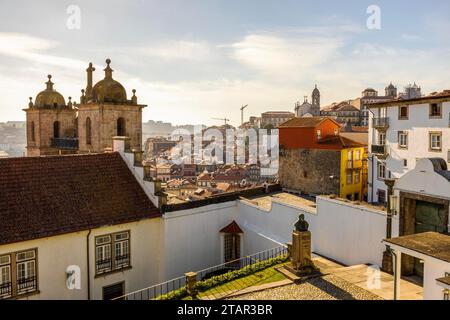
x: 30, y: 104
x: 49, y: 83
x: 134, y: 98
x: 108, y: 70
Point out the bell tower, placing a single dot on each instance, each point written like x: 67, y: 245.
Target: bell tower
x: 315, y: 109
x: 51, y: 122
x: 105, y: 112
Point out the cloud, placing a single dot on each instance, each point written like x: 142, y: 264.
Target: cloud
x: 34, y: 49
x: 180, y: 50
x: 286, y: 55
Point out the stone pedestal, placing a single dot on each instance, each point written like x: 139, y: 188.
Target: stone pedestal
x: 301, y: 263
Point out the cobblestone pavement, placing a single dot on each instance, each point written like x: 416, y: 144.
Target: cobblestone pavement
x: 322, y: 288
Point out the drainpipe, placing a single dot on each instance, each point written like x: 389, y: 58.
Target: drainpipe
x: 88, y: 266
x: 392, y: 252
x: 372, y: 158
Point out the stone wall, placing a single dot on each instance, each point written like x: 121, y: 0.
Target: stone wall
x: 310, y: 171
x: 104, y: 125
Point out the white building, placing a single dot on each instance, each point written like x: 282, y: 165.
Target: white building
x: 402, y: 131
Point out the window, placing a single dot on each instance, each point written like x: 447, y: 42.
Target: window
x: 405, y: 162
x: 88, y: 131
x: 33, y: 135
x: 435, y: 141
x: 402, y: 139
x: 56, y: 129
x: 121, y: 127
x: 112, y: 252
x: 382, y: 138
x: 403, y: 112
x: 319, y: 134
x: 448, y: 155
x: 381, y: 171
x: 356, y: 196
x: 350, y: 155
x: 357, y: 177
x: 349, y: 176
x: 381, y: 196
x: 5, y: 277
x: 435, y: 110
x: 358, y: 155
x: 18, y: 273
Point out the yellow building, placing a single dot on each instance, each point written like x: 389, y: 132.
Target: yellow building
x: 354, y: 173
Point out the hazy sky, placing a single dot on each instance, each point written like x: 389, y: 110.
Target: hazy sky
x: 191, y: 60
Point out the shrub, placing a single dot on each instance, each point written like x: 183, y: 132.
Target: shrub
x: 215, y: 281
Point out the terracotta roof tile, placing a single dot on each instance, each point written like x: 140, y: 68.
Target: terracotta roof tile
x: 233, y: 227
x: 47, y: 196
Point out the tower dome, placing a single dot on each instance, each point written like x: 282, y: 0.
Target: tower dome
x: 108, y: 89
x: 49, y: 98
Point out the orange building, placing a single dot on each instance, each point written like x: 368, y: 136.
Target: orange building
x: 316, y: 159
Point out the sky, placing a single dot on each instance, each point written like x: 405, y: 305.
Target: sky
x: 194, y: 60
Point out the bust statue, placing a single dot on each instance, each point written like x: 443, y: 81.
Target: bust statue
x: 301, y: 224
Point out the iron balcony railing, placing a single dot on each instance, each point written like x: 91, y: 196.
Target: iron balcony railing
x: 122, y: 261
x: 64, y: 143
x: 381, y: 123
x: 102, y: 266
x: 5, y: 290
x: 26, y: 284
x: 378, y: 149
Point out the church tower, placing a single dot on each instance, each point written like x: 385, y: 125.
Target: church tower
x: 315, y: 109
x: 51, y: 123
x: 390, y: 91
x: 104, y: 112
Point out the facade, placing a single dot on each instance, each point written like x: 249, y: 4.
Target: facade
x: 54, y: 127
x: 402, y: 131
x: 315, y: 159
x: 272, y: 119
x: 85, y: 214
x: 343, y: 112
x: 370, y: 96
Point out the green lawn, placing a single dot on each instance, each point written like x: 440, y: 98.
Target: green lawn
x: 258, y: 278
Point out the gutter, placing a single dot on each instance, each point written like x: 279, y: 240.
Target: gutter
x: 395, y: 270
x: 88, y: 266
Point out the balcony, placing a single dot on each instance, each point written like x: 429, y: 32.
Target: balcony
x: 64, y: 143
x: 25, y: 285
x: 380, y: 123
x: 379, y: 150
x: 5, y: 290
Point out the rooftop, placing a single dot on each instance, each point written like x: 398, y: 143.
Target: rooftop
x: 433, y: 244
x: 310, y: 122
x: 48, y: 196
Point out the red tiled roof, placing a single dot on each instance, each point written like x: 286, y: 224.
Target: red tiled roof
x: 233, y: 227
x: 309, y: 122
x: 47, y: 196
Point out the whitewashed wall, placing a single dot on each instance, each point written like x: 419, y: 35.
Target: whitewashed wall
x: 191, y: 238
x: 56, y: 253
x: 345, y: 232
x: 433, y: 269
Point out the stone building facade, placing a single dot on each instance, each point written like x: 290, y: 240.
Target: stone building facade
x: 54, y: 127
x: 310, y: 171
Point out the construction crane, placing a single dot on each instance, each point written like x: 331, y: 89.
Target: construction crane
x: 242, y: 113
x: 223, y: 119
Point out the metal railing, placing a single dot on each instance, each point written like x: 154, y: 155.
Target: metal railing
x: 378, y: 149
x: 26, y: 284
x: 155, y: 291
x: 159, y: 290
x: 5, y: 290
x: 64, y: 143
x: 380, y: 123
x: 102, y: 266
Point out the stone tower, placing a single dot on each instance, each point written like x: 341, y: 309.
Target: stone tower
x: 315, y: 108
x: 390, y: 91
x: 50, y: 123
x: 105, y: 112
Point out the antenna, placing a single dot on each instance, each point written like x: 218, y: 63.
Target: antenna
x: 242, y: 113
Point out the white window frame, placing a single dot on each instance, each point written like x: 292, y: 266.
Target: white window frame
x: 403, y: 144
x: 438, y: 142
x: 381, y: 171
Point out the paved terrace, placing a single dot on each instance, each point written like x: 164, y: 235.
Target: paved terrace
x: 338, y: 283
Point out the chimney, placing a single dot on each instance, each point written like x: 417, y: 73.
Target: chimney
x: 89, y: 71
